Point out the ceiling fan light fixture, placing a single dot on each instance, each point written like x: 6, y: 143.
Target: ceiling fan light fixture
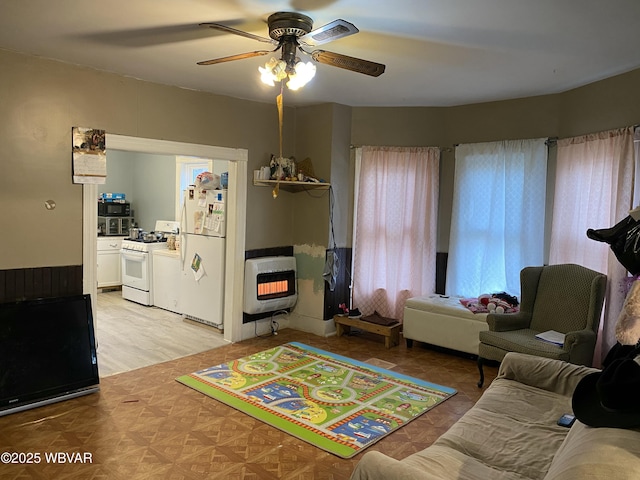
x: 276, y: 70
x: 302, y: 75
x: 273, y: 71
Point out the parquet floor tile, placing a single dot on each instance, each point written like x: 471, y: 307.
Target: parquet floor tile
x: 143, y: 424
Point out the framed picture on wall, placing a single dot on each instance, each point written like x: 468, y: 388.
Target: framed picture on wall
x: 89, y: 155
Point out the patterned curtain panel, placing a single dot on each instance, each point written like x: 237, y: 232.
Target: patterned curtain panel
x: 497, y: 220
x: 593, y: 189
x: 395, y: 227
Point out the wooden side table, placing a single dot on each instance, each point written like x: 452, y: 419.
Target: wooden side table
x: 390, y: 333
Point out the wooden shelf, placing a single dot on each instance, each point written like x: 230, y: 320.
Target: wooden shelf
x: 293, y: 186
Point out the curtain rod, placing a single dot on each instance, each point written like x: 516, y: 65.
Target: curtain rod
x: 552, y: 141
x: 444, y: 149
x: 549, y: 142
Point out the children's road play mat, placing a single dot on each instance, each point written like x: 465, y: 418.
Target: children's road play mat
x: 333, y: 402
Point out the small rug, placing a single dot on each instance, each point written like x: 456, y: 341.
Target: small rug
x: 333, y: 402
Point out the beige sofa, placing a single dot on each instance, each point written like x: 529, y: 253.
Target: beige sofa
x: 511, y: 433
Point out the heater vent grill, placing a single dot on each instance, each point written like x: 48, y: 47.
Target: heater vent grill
x: 269, y: 284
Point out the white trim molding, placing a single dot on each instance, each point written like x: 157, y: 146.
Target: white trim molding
x: 236, y: 220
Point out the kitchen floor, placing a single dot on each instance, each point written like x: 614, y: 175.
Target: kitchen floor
x: 132, y: 336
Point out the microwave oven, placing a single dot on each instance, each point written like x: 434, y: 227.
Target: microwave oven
x: 114, y: 226
x: 114, y: 209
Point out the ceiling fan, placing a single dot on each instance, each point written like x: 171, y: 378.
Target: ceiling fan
x: 290, y: 32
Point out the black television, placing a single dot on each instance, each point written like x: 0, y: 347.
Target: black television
x: 47, y: 352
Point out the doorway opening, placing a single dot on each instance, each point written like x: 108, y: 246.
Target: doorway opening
x: 236, y: 220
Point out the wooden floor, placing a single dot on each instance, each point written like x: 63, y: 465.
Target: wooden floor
x: 131, y: 335
x: 143, y: 424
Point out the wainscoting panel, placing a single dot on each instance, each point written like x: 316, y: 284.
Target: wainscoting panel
x: 441, y: 272
x: 286, y: 251
x: 41, y: 282
x: 342, y: 291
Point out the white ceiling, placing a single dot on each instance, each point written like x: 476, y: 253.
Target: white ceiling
x: 436, y: 52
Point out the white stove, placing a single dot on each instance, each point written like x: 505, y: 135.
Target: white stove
x: 137, y: 264
x: 142, y: 246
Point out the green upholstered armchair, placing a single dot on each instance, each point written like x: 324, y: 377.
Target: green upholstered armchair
x: 566, y: 298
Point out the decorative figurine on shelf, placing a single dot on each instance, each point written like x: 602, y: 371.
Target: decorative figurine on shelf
x: 283, y: 168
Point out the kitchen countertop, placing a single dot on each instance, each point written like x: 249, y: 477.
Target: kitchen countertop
x: 167, y: 253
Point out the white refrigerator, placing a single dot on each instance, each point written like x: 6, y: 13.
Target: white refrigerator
x: 202, y: 255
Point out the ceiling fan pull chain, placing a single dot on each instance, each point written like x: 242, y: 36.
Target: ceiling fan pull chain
x: 280, y: 113
x: 276, y: 189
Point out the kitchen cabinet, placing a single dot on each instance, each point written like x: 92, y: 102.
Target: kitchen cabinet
x: 166, y: 279
x: 109, y: 263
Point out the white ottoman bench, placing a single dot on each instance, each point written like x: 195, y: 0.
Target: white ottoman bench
x: 442, y: 321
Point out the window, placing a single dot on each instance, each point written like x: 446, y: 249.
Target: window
x: 395, y: 226
x: 594, y: 188
x: 497, y: 222
x: 187, y: 169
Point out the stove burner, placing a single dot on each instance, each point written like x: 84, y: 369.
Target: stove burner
x: 142, y: 240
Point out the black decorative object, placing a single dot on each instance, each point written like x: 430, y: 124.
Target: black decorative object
x: 624, y: 239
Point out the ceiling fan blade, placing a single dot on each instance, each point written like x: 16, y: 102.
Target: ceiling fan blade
x: 328, y: 33
x: 235, y: 31
x: 240, y: 56
x: 146, y: 37
x: 348, y: 63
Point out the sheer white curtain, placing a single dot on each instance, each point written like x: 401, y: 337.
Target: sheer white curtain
x: 593, y: 189
x: 497, y: 220
x: 395, y: 227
